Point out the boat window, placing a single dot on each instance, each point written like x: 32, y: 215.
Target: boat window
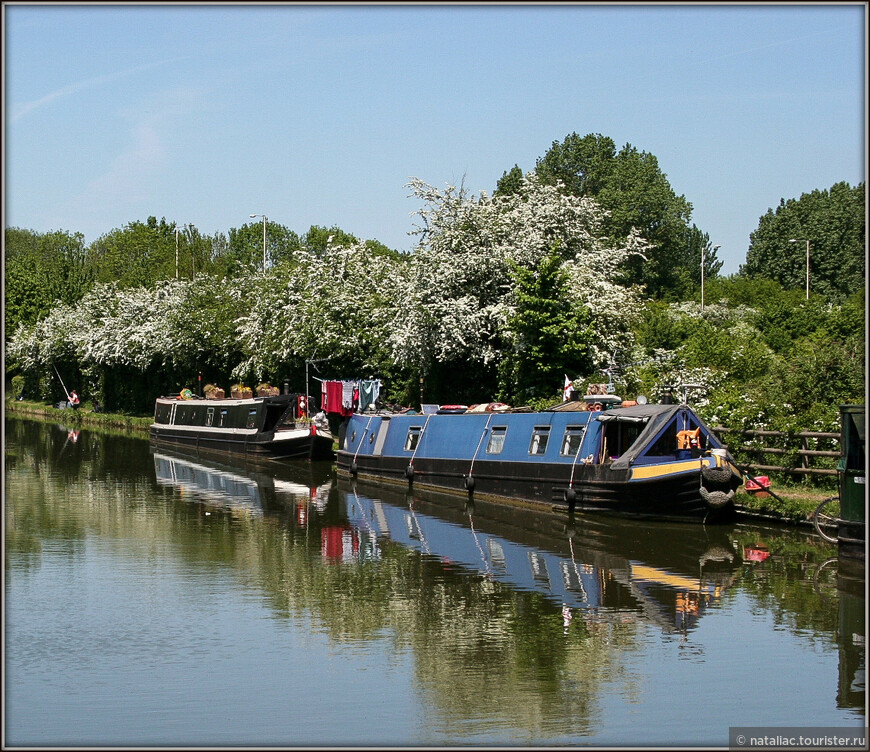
x: 572, y: 440
x: 223, y: 416
x: 496, y: 440
x: 209, y: 416
x: 252, y: 418
x: 540, y: 437
x: 413, y: 438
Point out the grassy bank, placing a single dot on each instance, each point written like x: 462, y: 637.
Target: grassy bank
x: 84, y: 416
x: 795, y: 505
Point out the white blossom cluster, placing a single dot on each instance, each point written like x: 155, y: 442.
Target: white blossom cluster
x: 460, y: 297
x: 449, y: 300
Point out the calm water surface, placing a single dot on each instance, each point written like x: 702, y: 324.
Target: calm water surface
x: 155, y: 598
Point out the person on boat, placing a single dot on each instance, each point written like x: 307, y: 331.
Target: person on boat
x: 74, y: 400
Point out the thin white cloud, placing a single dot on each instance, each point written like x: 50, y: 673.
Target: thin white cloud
x: 129, y: 180
x: 21, y: 110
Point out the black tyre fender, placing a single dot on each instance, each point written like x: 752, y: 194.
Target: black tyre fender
x: 570, y: 496
x: 469, y: 482
x: 353, y: 469
x: 716, y: 499
x: 409, y: 472
x: 716, y: 475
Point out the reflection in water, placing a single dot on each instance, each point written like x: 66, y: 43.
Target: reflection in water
x: 302, y: 593
x: 604, y: 571
x: 237, y: 487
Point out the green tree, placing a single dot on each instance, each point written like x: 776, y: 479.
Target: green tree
x: 138, y: 254
x: 834, y: 223
x: 511, y: 182
x: 631, y: 187
x: 40, y: 270
x: 549, y: 337
x: 244, y: 250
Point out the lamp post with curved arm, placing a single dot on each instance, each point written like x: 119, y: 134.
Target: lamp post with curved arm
x: 177, y: 230
x: 796, y: 240
x: 264, y: 238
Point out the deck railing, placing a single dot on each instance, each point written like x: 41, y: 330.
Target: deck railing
x: 797, y: 453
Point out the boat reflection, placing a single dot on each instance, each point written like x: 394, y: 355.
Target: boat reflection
x: 245, y: 487
x: 603, y: 569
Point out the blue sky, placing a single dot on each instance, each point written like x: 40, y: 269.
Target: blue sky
x: 319, y: 114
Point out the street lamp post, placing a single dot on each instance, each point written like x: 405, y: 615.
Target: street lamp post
x: 264, y: 238
x: 177, y: 230
x: 715, y: 248
x: 795, y: 240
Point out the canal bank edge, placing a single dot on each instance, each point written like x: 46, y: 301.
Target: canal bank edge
x: 801, y: 503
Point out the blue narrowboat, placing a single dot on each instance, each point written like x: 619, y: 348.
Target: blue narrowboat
x: 657, y: 459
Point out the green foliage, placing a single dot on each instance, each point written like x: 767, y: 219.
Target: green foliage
x: 550, y: 337
x: 834, y: 223
x: 502, y: 297
x: 244, y: 251
x: 42, y: 270
x: 137, y: 255
x: 510, y: 183
x: 634, y: 191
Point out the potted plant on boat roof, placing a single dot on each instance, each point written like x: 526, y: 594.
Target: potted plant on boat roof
x: 240, y: 391
x: 213, y: 392
x: 266, y: 390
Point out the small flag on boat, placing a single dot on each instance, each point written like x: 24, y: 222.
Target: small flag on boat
x: 568, y: 389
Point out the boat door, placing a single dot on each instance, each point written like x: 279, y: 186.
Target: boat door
x: 172, y: 413
x: 383, y: 429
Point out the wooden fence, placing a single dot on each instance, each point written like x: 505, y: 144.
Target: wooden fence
x: 790, y: 445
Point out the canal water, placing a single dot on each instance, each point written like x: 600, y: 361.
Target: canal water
x: 161, y: 599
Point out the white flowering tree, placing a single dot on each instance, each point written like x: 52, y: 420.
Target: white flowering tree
x: 442, y: 311
x: 334, y: 305
x: 460, y: 295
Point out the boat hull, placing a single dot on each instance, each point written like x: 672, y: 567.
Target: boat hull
x: 295, y: 445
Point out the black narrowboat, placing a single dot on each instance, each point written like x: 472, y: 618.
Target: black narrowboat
x: 267, y: 427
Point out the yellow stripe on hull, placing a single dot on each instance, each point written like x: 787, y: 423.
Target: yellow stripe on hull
x: 647, y: 472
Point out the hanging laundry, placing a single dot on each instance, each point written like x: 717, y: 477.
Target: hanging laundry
x: 333, y: 397
x: 347, y: 388
x: 369, y: 390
